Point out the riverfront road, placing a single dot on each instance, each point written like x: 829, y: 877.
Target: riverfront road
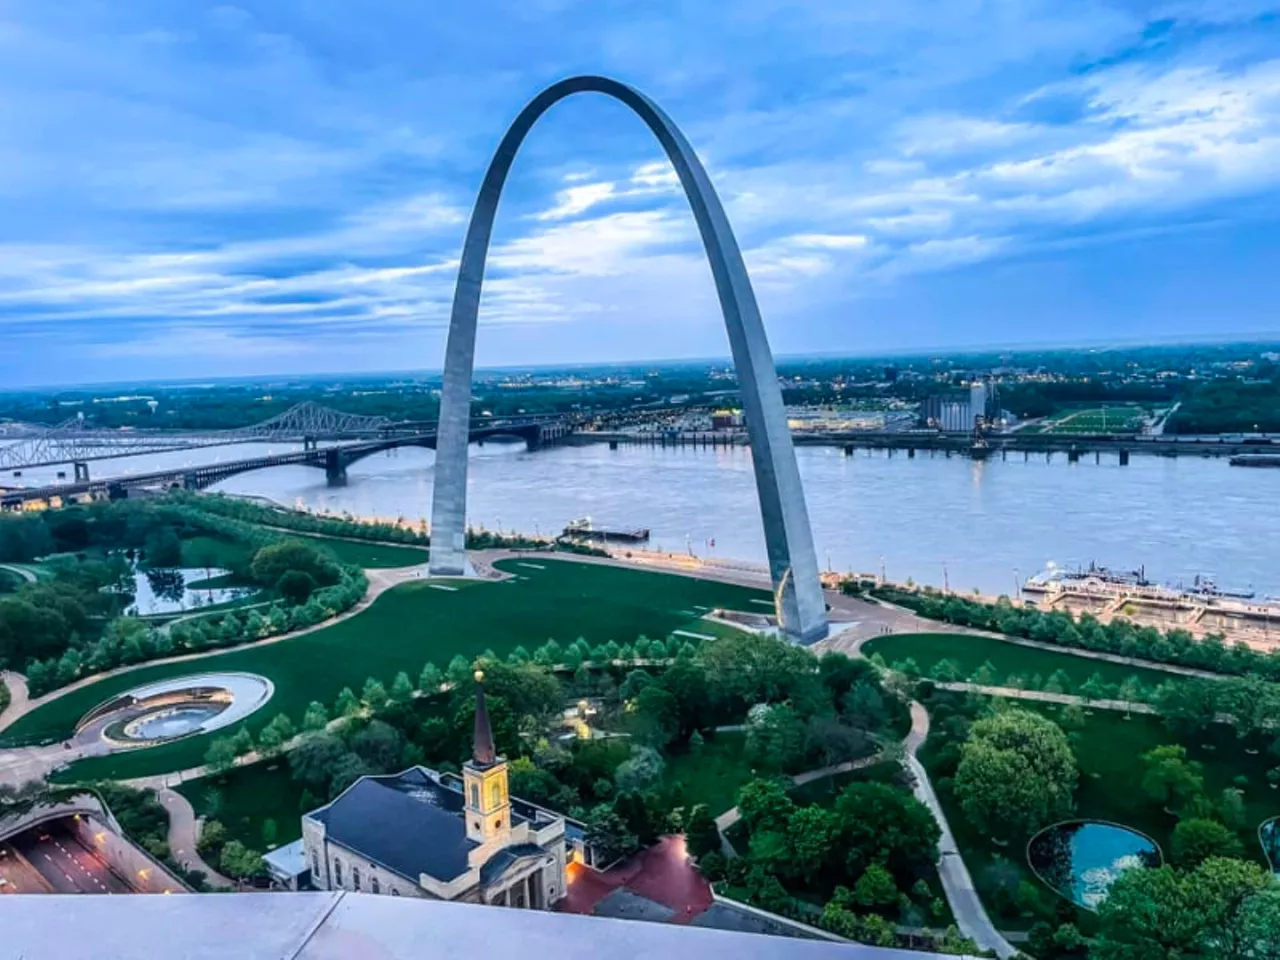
x: 65, y: 863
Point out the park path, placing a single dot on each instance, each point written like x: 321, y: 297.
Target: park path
x: 1065, y: 699
x: 23, y: 572
x: 18, y: 698
x: 971, y: 916
x: 184, y: 832
x: 733, y: 815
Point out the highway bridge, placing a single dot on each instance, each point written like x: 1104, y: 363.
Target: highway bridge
x: 333, y: 460
x: 75, y: 441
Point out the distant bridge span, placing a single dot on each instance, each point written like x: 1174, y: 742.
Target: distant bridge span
x: 333, y: 460
x: 75, y: 442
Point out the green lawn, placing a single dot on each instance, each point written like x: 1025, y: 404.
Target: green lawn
x: 1108, y: 749
x: 1125, y: 418
x: 246, y: 798
x: 713, y: 774
x: 971, y: 651
x: 217, y: 552
x: 406, y: 627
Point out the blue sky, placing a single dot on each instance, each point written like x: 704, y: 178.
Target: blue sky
x: 192, y: 189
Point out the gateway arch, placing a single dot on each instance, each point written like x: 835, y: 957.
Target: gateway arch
x: 793, y: 565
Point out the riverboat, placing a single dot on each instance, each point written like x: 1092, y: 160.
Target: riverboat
x: 584, y: 529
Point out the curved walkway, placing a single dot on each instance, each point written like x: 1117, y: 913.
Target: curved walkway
x: 184, y: 832
x: 23, y: 572
x: 733, y: 815
x: 18, y: 699
x: 1065, y: 699
x: 971, y: 916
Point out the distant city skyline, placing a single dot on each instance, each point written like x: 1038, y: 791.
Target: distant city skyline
x: 276, y: 189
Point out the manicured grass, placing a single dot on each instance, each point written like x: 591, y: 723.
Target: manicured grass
x: 1108, y: 749
x: 217, y: 552
x: 713, y: 774
x: 1125, y: 418
x: 406, y: 627
x: 368, y: 554
x: 246, y: 798
x: 970, y: 652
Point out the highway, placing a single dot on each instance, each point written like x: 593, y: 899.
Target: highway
x: 65, y: 863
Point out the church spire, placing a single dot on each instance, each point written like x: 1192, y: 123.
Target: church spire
x: 483, y: 753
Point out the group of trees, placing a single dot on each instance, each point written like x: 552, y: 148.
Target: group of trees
x: 867, y: 856
x: 60, y: 630
x: 296, y: 520
x: 1119, y: 636
x: 1223, y: 908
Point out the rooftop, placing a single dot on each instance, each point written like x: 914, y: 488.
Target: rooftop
x: 408, y: 823
x: 338, y: 926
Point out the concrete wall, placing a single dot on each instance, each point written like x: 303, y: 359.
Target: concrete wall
x: 143, y: 872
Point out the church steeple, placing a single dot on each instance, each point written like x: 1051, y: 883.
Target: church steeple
x: 483, y: 753
x: 488, y: 806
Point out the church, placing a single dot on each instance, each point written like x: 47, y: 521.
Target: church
x: 439, y: 836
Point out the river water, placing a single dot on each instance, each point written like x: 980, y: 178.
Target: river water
x: 976, y: 524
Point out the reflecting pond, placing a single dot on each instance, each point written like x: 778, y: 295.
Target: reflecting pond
x: 1080, y: 859
x: 1269, y: 834
x: 177, y: 589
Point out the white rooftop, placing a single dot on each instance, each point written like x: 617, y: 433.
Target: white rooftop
x: 338, y: 926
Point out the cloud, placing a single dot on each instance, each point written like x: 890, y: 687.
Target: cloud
x: 232, y: 181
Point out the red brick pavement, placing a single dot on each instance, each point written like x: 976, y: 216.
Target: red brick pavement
x: 661, y: 873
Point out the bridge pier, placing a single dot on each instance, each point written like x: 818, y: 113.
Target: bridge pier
x: 82, y: 471
x: 1073, y: 455
x: 911, y: 453
x: 335, y: 468
x: 613, y: 444
x: 1124, y: 458
x: 848, y: 449
x: 309, y: 443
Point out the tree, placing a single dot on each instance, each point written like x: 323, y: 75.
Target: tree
x: 296, y: 586
x: 221, y: 756
x: 701, y: 833
x: 1169, y: 778
x: 986, y: 675
x: 1016, y: 773
x: 1231, y: 808
x: 877, y: 823
x: 163, y: 548
x: 240, y: 862
x: 1095, y: 688
x: 608, y: 836
x: 379, y: 745
x: 656, y: 715
x: 875, y: 888
x: 639, y: 772
x: 275, y: 735
x: 242, y: 742
x: 346, y: 705
x: 764, y: 805
x: 316, y: 717
x: 429, y: 679
x: 276, y: 559
x: 1257, y: 925
x: 348, y: 768
x: 312, y: 761
x: 402, y: 688
x: 459, y: 671
x: 776, y: 738
x: 811, y: 833
x: 374, y: 693
x: 1196, y: 840
x: 1131, y: 691
x: 864, y: 706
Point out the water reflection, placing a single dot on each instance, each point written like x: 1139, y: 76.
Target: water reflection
x: 1081, y: 859
x: 1269, y: 835
x: 179, y: 589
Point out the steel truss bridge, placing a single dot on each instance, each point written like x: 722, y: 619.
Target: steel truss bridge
x: 74, y: 442
x: 333, y: 460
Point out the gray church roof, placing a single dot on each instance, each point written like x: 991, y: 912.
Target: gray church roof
x: 408, y: 823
